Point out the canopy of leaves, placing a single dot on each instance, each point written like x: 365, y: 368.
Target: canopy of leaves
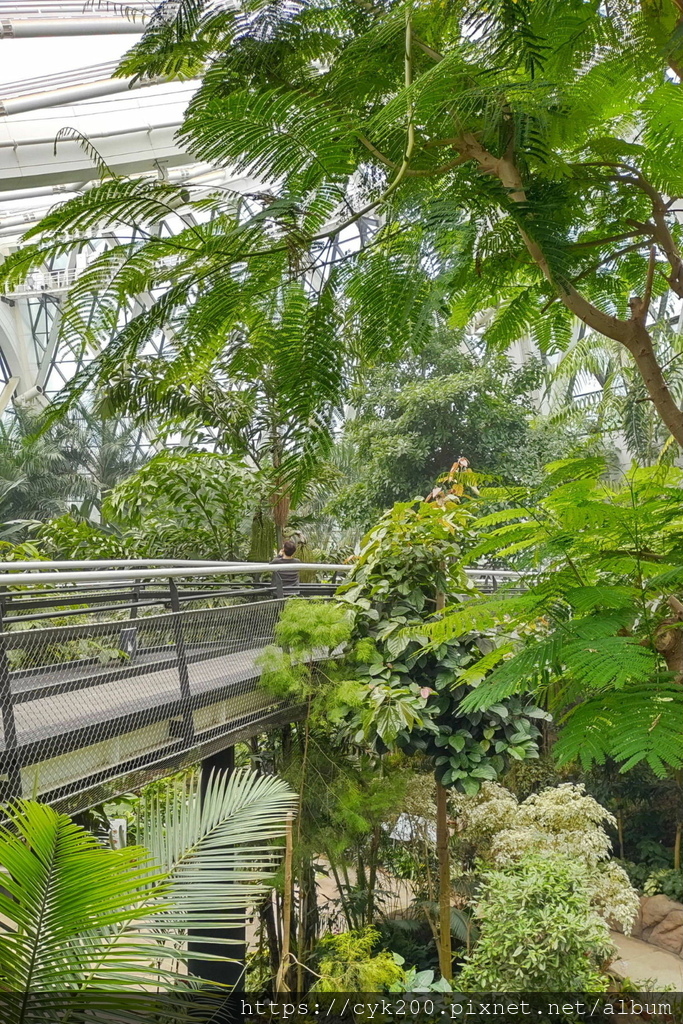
x: 598, y: 633
x: 517, y: 156
x: 412, y: 420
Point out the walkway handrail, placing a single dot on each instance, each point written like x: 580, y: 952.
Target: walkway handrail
x: 87, y: 563
x: 170, y: 674
x: 221, y: 569
x: 134, y: 569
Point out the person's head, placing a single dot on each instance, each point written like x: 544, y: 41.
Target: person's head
x: 288, y: 548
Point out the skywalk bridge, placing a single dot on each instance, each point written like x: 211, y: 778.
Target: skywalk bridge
x: 114, y: 674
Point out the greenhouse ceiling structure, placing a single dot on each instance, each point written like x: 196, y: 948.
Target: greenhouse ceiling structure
x: 46, y: 124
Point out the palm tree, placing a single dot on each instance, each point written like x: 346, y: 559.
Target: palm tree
x: 69, y: 466
x: 89, y: 919
x: 266, y: 395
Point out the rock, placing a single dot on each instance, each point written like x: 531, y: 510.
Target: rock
x: 637, y: 926
x: 655, y: 908
x: 668, y: 934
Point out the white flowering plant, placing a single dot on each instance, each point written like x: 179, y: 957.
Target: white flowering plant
x: 562, y: 823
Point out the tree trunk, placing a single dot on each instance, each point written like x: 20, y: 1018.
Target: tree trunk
x: 372, y: 873
x: 620, y: 830
x: 669, y: 639
x: 286, y: 736
x: 677, y: 846
x: 309, y: 922
x: 631, y: 333
x: 268, y: 921
x: 442, y: 837
x: 640, y: 347
x: 263, y: 536
x: 283, y: 970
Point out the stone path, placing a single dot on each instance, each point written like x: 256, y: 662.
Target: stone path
x: 641, y: 962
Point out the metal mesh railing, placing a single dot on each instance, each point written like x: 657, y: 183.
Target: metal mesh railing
x: 100, y: 678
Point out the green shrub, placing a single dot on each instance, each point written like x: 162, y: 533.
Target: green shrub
x: 538, y: 932
x: 667, y: 881
x: 349, y: 964
x: 307, y: 626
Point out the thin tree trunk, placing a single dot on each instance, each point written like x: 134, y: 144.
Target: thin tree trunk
x: 677, y: 847
x: 340, y: 889
x: 281, y: 979
x: 640, y: 347
x: 286, y: 743
x: 268, y: 920
x: 620, y: 830
x: 361, y: 881
x: 372, y: 873
x: 445, y: 954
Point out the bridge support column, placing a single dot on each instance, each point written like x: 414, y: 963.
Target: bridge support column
x: 233, y: 940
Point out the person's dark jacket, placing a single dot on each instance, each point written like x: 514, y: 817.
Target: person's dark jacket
x: 290, y: 580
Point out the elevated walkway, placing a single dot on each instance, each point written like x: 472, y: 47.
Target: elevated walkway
x: 113, y: 676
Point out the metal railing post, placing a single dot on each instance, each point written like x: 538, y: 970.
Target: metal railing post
x: 128, y: 640
x: 181, y: 655
x: 9, y: 727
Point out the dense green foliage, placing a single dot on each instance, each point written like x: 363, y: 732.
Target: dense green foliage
x: 521, y: 157
x: 597, y: 636
x: 538, y: 932
x: 349, y: 963
x: 407, y: 562
x: 390, y: 691
x: 414, y: 418
x: 193, y: 503
x: 70, y: 467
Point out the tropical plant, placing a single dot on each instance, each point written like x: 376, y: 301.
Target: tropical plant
x: 72, y: 537
x: 668, y: 881
x: 255, y: 397
x: 522, y: 157
x: 538, y: 931
x: 393, y: 693
x: 413, y: 419
x: 407, y: 569
x: 563, y: 821
x: 350, y: 963
x: 65, y: 470
x: 597, y: 636
x: 89, y: 918
x: 188, y: 503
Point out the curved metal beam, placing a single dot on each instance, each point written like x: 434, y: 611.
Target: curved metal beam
x: 52, y: 27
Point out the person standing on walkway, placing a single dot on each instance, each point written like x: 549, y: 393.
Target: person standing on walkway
x: 290, y: 580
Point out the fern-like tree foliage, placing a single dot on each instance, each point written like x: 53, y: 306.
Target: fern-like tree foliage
x: 518, y: 156
x: 83, y: 919
x: 598, y: 635
x: 595, y: 386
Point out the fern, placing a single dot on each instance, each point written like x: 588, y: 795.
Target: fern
x: 589, y: 636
